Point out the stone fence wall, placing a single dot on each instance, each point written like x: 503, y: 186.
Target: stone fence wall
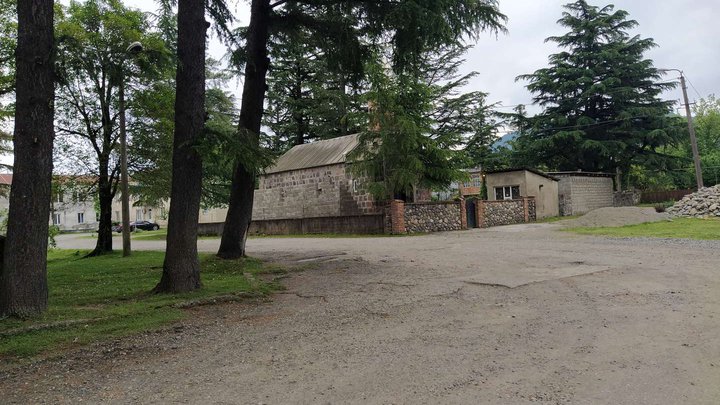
x: 627, y: 198
x: 433, y: 217
x: 357, y: 224
x: 401, y: 218
x: 505, y: 212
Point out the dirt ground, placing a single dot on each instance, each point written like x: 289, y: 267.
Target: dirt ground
x: 510, y: 315
x: 617, y: 216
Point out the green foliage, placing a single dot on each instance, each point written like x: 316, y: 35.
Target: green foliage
x: 707, y: 129
x: 53, y: 231
x: 419, y: 122
x: 458, y: 117
x: 306, y: 99
x: 412, y: 28
x: 105, y: 297
x: 3, y: 221
x: 218, y: 10
x: 153, y: 109
x: 601, y: 102
x: 679, y: 172
x: 400, y: 151
x: 151, y: 146
x: 318, y: 52
x: 92, y: 61
x: 8, y: 41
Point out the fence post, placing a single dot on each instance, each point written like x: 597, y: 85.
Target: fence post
x: 463, y: 214
x: 397, y: 217
x: 480, y: 213
x: 526, y: 207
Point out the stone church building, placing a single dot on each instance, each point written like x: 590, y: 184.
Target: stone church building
x: 311, y: 181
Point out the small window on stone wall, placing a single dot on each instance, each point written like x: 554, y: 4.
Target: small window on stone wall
x: 507, y: 193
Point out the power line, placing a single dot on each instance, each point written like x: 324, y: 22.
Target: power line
x: 510, y: 106
x: 569, y: 98
x: 595, y: 123
x: 693, y: 86
x: 682, y: 169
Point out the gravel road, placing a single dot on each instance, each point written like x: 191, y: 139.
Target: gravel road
x: 512, y: 315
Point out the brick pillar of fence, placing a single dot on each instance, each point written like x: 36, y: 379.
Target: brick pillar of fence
x: 463, y: 214
x: 480, y: 213
x: 397, y: 217
x: 526, y: 207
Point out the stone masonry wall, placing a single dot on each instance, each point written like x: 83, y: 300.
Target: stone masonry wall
x: 505, y: 212
x: 328, y: 191
x: 433, y: 217
x: 531, y: 210
x: 627, y: 198
x: 582, y: 194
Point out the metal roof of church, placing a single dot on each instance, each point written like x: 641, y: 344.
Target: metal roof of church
x: 316, y: 154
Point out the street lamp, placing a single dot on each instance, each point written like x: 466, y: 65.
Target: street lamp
x: 133, y: 49
x: 691, y: 128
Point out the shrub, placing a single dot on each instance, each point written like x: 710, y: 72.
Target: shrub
x: 53, y: 231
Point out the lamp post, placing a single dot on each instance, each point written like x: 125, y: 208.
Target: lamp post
x: 691, y: 129
x: 134, y: 48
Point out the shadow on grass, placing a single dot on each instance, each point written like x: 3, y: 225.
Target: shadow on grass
x: 108, y: 296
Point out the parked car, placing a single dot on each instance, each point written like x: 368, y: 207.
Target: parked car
x: 144, y: 225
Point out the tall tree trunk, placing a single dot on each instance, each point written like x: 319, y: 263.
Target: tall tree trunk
x: 298, y: 116
x: 104, y: 242
x: 23, y: 276
x: 237, y: 222
x: 181, y: 270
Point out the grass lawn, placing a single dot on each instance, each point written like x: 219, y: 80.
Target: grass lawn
x: 556, y: 219
x: 337, y: 235
x: 105, y: 297
x: 162, y: 235
x: 680, y: 228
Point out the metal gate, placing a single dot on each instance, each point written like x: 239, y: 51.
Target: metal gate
x: 470, y: 210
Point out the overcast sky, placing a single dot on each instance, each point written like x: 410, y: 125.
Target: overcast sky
x: 686, y: 32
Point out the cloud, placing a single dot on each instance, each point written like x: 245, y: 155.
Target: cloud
x: 685, y: 32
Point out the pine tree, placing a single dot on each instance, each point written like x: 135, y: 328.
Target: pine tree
x: 420, y: 121
x: 93, y: 65
x: 8, y: 42
x: 181, y: 268
x: 409, y: 28
x: 602, y: 110
x: 23, y: 274
x: 153, y: 127
x: 306, y: 99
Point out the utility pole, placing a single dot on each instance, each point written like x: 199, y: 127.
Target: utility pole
x: 693, y: 138
x: 133, y: 49
x: 124, y: 173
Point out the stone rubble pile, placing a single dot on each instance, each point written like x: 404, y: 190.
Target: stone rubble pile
x: 703, y: 203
